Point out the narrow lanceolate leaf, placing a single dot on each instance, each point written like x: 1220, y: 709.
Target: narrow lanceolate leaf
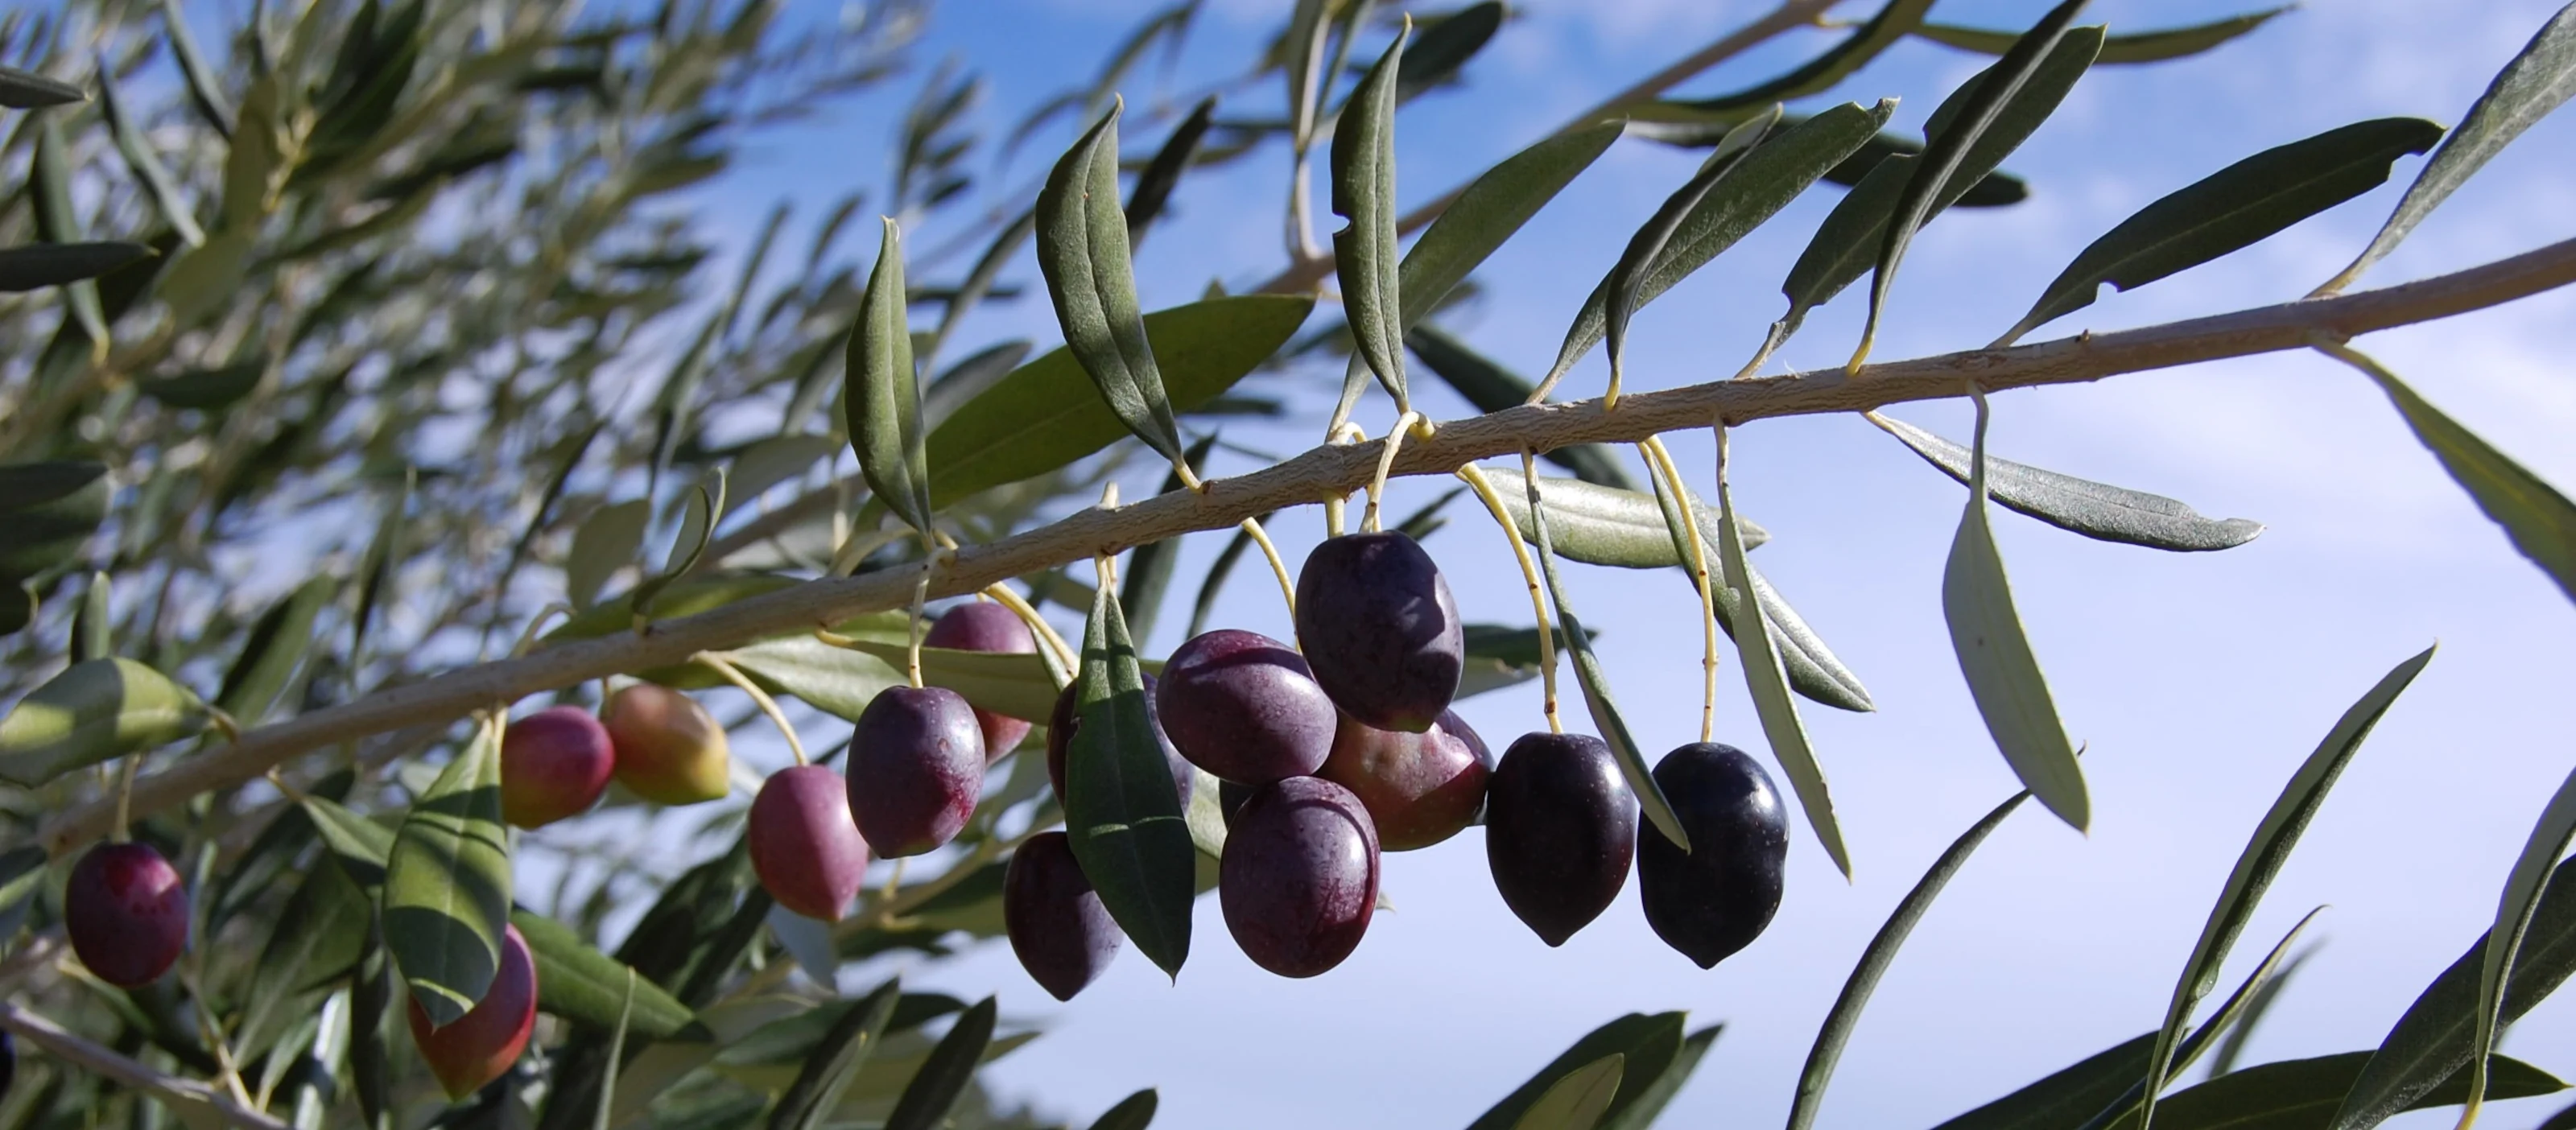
x: 883, y: 397
x: 39, y: 265
x: 56, y: 222
x: 578, y: 983
x: 2540, y: 520
x: 144, y: 163
x: 1995, y: 656
x: 1621, y: 289
x: 447, y: 883
x: 1082, y: 250
x: 2262, y: 859
x: 1121, y: 811
x: 318, y: 939
x: 2298, y: 1092
x: 93, y: 624
x: 1595, y: 681
x: 2095, y: 510
x: 2514, y: 912
x: 1600, y: 525
x: 50, y: 510
x: 2432, y: 1041
x: 606, y: 542
x: 1765, y: 680
x: 2131, y: 47
x: 95, y: 711
x: 1651, y: 1046
x: 1845, y: 1015
x: 276, y: 645
x: 27, y: 90
x: 1492, y: 388
x: 205, y: 389
x: 2232, y: 1049
x: 1638, y: 1107
x: 205, y: 83
x: 835, y: 1061
x: 1577, y: 1101
x: 2230, y: 209
x: 1366, y: 257
x: 1848, y: 243
x: 1765, y: 181
x: 1307, y: 26
x: 934, y: 1089
x: 1162, y: 174
x: 1891, y: 23
x: 375, y: 1003
x: 1135, y: 1112
x: 1489, y: 210
x: 2537, y: 81
x: 700, y: 511
x: 2123, y: 1111
x: 1946, y: 154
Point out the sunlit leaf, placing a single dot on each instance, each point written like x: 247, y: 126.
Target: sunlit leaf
x: 1578, y: 1101
x: 1082, y: 249
x: 578, y: 983
x: 1365, y: 254
x: 2095, y: 510
x: 2514, y: 913
x: 447, y: 883
x: 95, y: 711
x: 883, y: 396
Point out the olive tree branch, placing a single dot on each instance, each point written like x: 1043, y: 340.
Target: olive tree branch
x: 79, y: 1051
x: 1325, y: 472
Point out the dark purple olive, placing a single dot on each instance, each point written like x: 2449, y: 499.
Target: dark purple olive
x: 1299, y: 877
x: 8, y: 1063
x: 1063, y: 936
x: 916, y: 766
x: 984, y: 626
x: 1378, y: 627
x: 1230, y: 798
x: 808, y: 853
x: 126, y: 912
x: 1560, y: 826
x: 1243, y: 706
x: 1421, y: 788
x: 1063, y: 722
x: 1717, y: 897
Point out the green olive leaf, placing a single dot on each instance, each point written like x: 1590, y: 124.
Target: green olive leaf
x: 447, y: 883
x: 1121, y: 811
x: 883, y: 397
x: 1162, y: 174
x: 2295, y: 1092
x: 2538, y: 80
x: 1135, y: 1112
x: 1767, y: 681
x: 1651, y: 1045
x: 835, y: 680
x: 51, y: 510
x: 40, y: 265
x: 2231, y: 209
x: 1621, y: 288
x: 1578, y: 1101
x: 317, y: 941
x: 205, y: 389
x: 604, y: 543
x: 2095, y: 510
x: 56, y: 222
x: 945, y: 1075
x: 2155, y: 46
x: 1637, y: 1107
x: 274, y: 649
x: 144, y: 163
x: 1600, y: 525
x: 809, y: 1101
x: 580, y: 984
x: 1082, y: 250
x: 1595, y: 681
x: 27, y: 90
x: 1491, y: 209
x: 2515, y: 910
x: 1994, y: 655
x: 1891, y: 23
x: 1365, y: 255
x: 95, y: 711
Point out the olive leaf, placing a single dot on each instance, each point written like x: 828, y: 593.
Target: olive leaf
x: 1013, y: 684
x: 2232, y: 1048
x: 1767, y: 682
x: 40, y: 265
x: 1946, y: 159
x: 1994, y: 655
x: 1652, y: 1047
x: 1621, y: 288
x: 145, y: 165
x: 94, y: 622
x: 2095, y: 510
x: 274, y: 648
x: 1889, y: 24
x: 2295, y: 1091
x: 945, y: 1075
x: 2231, y: 209
x: 95, y: 711
x: 1578, y: 1101
x: 1135, y: 1112
x: 1848, y: 243
x: 1595, y: 681
x: 883, y: 397
x: 2262, y: 859
x: 1162, y: 174
x: 56, y: 222
x: 968, y: 379
x: 2129, y: 47
x: 2540, y: 520
x: 205, y: 389
x: 51, y: 509
x: 604, y: 543
x: 1492, y: 388
x: 1638, y: 1107
x: 27, y: 90
x: 447, y: 883
x: 1874, y: 960
x: 1996, y: 190
x: 2515, y: 910
x: 1082, y: 250
x: 978, y: 284
x: 580, y: 984
x: 2432, y: 1041
x: 1490, y: 210
x: 808, y: 1102
x: 1600, y: 525
x: 1365, y: 255
x: 1755, y: 189
x: 2538, y: 80
x: 1122, y: 813
x: 700, y: 511
x: 319, y: 937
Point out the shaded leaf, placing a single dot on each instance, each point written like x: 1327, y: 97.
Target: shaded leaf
x: 1082, y: 250
x: 776, y: 460
x: 935, y: 1088
x: 205, y: 87
x: 274, y: 649
x: 809, y: 1102
x: 1122, y: 812
x: 93, y: 712
x: 93, y: 622
x: 1135, y: 1112
x: 1365, y: 254
x: 1767, y: 682
x: 143, y: 163
x: 317, y: 941
x: 582, y: 985
x: 1154, y: 185
x: 2232, y: 1049
x: 205, y: 389
x: 2537, y: 81
x: 27, y: 90
x: 1653, y: 1043
x: 2095, y: 510
x: 1620, y: 289
x: 2129, y: 47
x: 1492, y: 388
x: 447, y: 883
x: 40, y: 265
x: 968, y: 379
x: 883, y: 395
x: 2298, y: 1094
x: 2230, y: 209
x: 2514, y: 912
x: 51, y: 510
x: 56, y: 222
x: 1890, y: 23
x: 1638, y: 1109
x: 606, y: 542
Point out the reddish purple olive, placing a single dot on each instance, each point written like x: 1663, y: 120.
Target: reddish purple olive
x: 554, y: 765
x: 1560, y: 826
x: 916, y: 767
x: 1299, y: 877
x: 985, y: 626
x: 805, y: 848
x: 126, y: 912
x: 474, y: 1049
x: 1377, y: 624
x: 1717, y: 897
x: 1058, y: 929
x: 1244, y: 707
x: 1064, y: 721
x: 1421, y: 788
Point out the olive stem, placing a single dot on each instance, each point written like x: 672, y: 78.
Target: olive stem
x: 1484, y: 488
x: 73, y: 1048
x: 1278, y: 568
x: 528, y: 635
x: 1546, y: 635
x: 1386, y: 462
x: 213, y: 1034
x: 125, y: 798
x: 1661, y: 461
x: 717, y: 662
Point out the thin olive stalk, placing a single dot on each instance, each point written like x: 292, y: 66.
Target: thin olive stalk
x: 1661, y: 461
x: 1484, y: 488
x: 720, y: 663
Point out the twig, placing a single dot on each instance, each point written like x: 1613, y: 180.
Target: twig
x: 79, y: 1051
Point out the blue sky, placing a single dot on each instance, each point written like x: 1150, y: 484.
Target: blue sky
x: 2199, y: 681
